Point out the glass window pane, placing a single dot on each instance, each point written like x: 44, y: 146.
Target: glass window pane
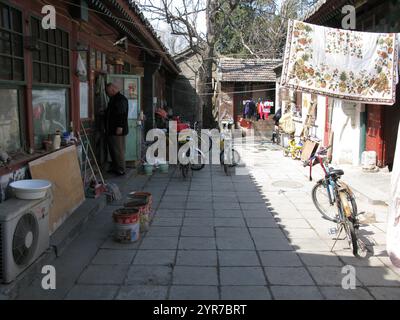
x: 10, y: 133
x: 43, y: 33
x: 5, y: 43
x: 17, y: 46
x: 52, y: 74
x: 16, y: 20
x: 35, y: 55
x: 66, y: 76
x: 65, y: 40
x: 5, y: 20
x: 52, y: 36
x: 36, y: 72
x: 58, y: 37
x: 50, y: 113
x: 44, y: 56
x: 44, y: 73
x: 59, y: 56
x: 65, y: 58
x: 5, y: 68
x: 52, y: 54
x: 18, y: 72
x: 60, y: 76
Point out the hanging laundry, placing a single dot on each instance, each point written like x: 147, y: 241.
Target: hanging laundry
x: 260, y: 106
x: 267, y: 109
x: 358, y: 66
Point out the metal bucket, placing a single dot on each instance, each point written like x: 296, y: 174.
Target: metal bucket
x: 126, y: 225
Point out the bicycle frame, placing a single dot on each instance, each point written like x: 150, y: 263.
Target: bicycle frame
x: 330, y: 185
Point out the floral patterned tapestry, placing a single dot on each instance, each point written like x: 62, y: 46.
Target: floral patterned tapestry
x: 349, y: 65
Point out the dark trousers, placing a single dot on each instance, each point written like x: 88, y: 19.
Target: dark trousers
x: 116, y: 147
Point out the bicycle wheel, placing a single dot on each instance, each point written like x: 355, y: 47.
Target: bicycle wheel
x: 321, y: 201
x: 358, y: 246
x: 200, y: 161
x: 232, y: 160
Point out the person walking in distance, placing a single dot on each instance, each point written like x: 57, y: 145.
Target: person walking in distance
x: 116, y: 128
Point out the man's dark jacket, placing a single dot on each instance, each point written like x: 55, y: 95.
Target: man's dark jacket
x: 117, y: 115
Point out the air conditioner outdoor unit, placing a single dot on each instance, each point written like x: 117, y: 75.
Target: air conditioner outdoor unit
x: 24, y: 235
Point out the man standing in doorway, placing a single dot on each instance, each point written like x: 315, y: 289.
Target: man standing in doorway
x: 116, y: 128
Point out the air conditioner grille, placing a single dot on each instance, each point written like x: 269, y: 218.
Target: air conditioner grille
x: 25, y: 239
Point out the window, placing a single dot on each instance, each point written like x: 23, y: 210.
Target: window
x: 49, y: 113
x: 51, y: 62
x: 10, y: 135
x: 11, y: 44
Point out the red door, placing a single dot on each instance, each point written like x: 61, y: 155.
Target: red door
x: 391, y: 118
x: 374, y: 138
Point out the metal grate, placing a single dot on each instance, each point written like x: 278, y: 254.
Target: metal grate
x: 1, y: 252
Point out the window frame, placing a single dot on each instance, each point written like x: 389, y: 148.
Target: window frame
x: 67, y: 107
x: 21, y: 115
x: 11, y: 32
x: 49, y: 84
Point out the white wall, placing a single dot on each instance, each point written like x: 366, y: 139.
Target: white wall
x: 346, y: 131
x: 321, y: 117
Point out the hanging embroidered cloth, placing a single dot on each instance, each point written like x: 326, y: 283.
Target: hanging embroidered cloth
x: 349, y: 65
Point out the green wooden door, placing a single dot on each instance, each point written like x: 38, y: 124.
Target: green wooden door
x: 129, y: 86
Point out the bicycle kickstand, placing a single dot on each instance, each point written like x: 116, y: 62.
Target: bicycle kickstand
x: 337, y: 238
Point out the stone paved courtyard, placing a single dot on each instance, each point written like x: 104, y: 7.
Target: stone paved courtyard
x: 254, y: 236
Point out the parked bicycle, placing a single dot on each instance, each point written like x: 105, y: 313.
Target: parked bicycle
x: 195, y: 161
x: 231, y: 158
x: 293, y: 149
x: 336, y: 202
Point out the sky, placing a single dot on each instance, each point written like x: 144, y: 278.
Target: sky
x: 164, y: 30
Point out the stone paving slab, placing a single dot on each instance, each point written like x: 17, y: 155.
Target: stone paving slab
x: 195, y: 275
x: 245, y: 293
x: 242, y: 276
x: 238, y: 258
x: 194, y: 293
x: 196, y: 243
x: 338, y: 293
x: 144, y: 275
x: 92, y: 292
x: 158, y: 231
x: 197, y: 231
x: 288, y: 276
x: 155, y: 257
x: 142, y: 292
x: 103, y: 274
x: 296, y: 293
x: 206, y: 258
x: 280, y: 259
x: 109, y: 256
x: 157, y: 243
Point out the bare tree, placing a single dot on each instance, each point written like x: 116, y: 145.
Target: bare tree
x: 182, y: 17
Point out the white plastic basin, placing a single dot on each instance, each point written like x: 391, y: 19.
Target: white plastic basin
x: 30, y: 189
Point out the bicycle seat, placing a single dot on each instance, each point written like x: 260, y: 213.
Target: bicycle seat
x: 335, y: 172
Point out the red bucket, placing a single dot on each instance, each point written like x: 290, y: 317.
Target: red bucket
x: 126, y: 216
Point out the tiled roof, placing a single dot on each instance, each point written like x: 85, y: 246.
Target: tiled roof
x: 247, y: 70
